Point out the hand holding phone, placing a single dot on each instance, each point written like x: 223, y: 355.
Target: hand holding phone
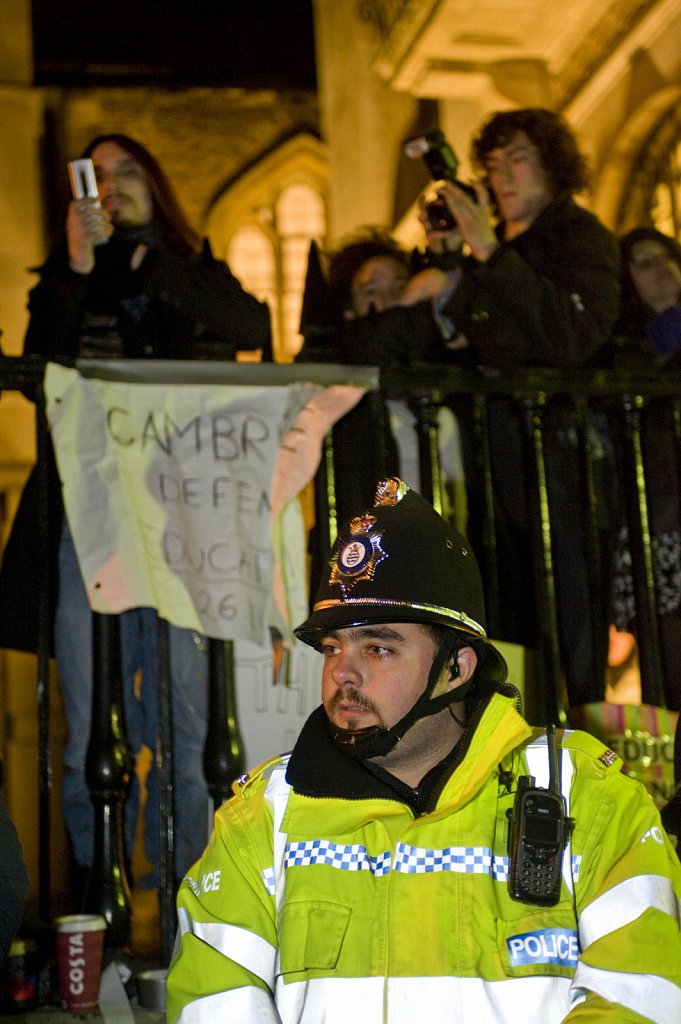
x: 87, y: 224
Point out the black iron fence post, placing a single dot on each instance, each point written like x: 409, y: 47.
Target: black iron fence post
x: 223, y: 760
x: 539, y: 516
x: 425, y: 410
x: 489, y: 560
x: 42, y: 540
x: 107, y: 772
x: 166, y: 802
x: 636, y: 504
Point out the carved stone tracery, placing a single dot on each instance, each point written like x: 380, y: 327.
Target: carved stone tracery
x: 654, y: 195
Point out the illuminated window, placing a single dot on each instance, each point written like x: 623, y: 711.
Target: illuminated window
x: 250, y: 255
x: 271, y: 261
x: 263, y: 226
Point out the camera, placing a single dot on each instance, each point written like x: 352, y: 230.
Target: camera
x: 442, y: 162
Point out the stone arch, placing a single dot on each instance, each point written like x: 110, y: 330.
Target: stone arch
x: 623, y: 191
x: 244, y: 226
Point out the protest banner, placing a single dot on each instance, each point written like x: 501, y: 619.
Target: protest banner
x: 173, y: 493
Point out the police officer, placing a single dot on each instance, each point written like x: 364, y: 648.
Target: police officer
x: 423, y: 854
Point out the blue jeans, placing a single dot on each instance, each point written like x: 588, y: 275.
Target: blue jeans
x: 189, y: 686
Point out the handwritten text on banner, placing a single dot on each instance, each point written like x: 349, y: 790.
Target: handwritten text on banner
x: 171, y: 493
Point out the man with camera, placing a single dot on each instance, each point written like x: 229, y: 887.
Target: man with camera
x: 423, y: 854
x: 539, y: 286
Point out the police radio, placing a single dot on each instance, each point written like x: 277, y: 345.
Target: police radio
x: 538, y: 833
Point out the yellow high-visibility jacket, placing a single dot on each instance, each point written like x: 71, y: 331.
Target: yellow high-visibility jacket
x: 323, y: 898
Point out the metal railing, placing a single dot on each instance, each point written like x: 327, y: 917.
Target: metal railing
x: 532, y: 395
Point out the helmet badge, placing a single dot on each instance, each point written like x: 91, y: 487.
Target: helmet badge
x: 390, y: 492
x: 358, y: 556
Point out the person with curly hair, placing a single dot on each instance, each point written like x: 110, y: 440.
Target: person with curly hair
x: 538, y: 287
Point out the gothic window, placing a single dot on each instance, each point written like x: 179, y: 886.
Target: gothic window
x: 263, y: 226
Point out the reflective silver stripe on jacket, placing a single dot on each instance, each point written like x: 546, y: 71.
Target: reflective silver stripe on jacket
x: 239, y: 1004
x: 243, y: 947
x: 437, y: 1000
x: 277, y: 794
x: 655, y: 998
x: 624, y: 903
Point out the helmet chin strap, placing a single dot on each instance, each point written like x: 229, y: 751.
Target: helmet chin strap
x: 375, y: 741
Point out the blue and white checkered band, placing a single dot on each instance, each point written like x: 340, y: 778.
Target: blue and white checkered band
x: 358, y: 555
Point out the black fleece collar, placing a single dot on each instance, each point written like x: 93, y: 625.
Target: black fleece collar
x: 318, y: 768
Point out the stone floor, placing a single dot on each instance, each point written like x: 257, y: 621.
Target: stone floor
x: 53, y: 1015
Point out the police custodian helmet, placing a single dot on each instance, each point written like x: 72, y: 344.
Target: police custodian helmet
x: 402, y: 562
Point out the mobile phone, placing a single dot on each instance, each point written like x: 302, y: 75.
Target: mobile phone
x: 83, y: 179
x: 538, y: 833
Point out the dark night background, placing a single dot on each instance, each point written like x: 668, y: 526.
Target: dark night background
x: 239, y: 43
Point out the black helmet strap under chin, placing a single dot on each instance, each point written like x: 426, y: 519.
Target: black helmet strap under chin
x: 376, y: 741
x: 427, y: 705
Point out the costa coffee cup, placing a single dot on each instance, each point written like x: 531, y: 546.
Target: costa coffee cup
x: 79, y: 949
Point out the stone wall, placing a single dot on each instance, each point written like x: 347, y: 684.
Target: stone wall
x: 203, y: 138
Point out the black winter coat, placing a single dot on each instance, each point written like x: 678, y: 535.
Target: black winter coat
x: 549, y: 297
x: 13, y: 882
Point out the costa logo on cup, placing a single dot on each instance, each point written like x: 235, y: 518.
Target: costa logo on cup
x: 76, y: 964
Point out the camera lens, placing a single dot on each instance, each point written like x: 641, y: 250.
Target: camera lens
x: 440, y: 217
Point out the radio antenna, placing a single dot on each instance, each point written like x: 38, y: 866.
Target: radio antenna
x: 554, y: 772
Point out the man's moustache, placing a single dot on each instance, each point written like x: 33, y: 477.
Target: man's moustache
x: 351, y: 696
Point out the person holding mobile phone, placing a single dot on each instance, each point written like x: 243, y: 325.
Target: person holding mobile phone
x: 130, y: 278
